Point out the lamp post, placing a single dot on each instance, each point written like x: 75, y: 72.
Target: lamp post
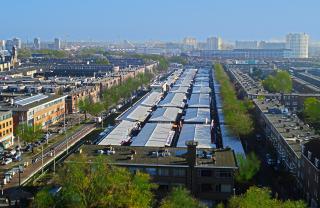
x: 234, y: 192
x: 54, y: 160
x: 42, y: 159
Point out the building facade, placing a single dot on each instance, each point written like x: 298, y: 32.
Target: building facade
x: 214, y: 43
x: 310, y: 172
x: 299, y: 44
x: 6, y: 129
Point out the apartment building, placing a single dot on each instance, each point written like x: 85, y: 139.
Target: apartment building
x: 43, y: 110
x: 207, y: 173
x: 310, y: 172
x: 6, y: 129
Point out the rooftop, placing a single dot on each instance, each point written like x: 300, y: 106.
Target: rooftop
x: 124, y: 155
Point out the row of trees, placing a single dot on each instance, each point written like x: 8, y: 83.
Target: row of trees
x: 163, y: 61
x: 281, y: 82
x: 260, y: 197
x: 311, y: 112
x: 113, y: 95
x: 26, y: 53
x: 248, y: 167
x: 29, y: 133
x: 98, y: 184
x: 235, y: 111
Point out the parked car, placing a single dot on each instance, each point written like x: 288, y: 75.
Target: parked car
x: 6, y: 161
x: 269, y: 160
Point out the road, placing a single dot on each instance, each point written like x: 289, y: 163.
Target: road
x: 49, y: 155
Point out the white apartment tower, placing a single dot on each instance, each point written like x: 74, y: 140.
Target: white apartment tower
x: 214, y: 43
x: 299, y: 44
x: 190, y: 41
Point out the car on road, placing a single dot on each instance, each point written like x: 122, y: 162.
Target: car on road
x: 7, y: 161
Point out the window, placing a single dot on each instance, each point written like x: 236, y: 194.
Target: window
x: 133, y: 170
x: 206, y: 187
x: 206, y: 173
x: 225, y: 188
x: 179, y: 172
x: 224, y: 174
x: 163, y: 171
x: 151, y: 171
x: 218, y: 188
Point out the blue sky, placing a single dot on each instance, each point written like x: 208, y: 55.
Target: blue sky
x: 158, y: 19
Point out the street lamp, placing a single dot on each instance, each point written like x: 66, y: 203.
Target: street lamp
x: 54, y: 160
x: 42, y: 159
x: 234, y: 192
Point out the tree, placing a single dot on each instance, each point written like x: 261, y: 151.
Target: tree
x: 84, y: 106
x: 311, y: 112
x: 180, y: 198
x: 102, y: 61
x: 100, y: 185
x: 44, y: 199
x: 95, y: 109
x: 261, y: 197
x: 235, y: 111
x: 248, y: 167
x: 24, y: 53
x: 281, y: 82
x: 29, y: 133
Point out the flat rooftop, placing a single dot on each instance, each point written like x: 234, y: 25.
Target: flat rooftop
x: 144, y: 156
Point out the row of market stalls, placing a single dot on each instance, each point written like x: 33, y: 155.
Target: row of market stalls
x: 177, y: 113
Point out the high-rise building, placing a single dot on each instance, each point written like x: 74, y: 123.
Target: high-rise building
x: 246, y: 44
x: 17, y: 42
x: 2, y: 44
x: 298, y: 43
x: 190, y: 42
x: 57, y: 44
x: 36, y: 43
x: 9, y: 45
x: 214, y: 43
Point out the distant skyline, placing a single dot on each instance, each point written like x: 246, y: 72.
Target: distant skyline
x: 166, y: 20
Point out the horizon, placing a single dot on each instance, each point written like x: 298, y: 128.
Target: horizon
x: 167, y: 21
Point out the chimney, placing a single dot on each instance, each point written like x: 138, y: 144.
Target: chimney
x: 192, y: 153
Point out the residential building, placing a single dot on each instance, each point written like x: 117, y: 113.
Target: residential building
x: 36, y: 43
x: 43, y: 110
x: 190, y: 42
x: 6, y: 129
x: 9, y: 45
x: 17, y: 42
x: 246, y: 44
x: 310, y: 172
x: 207, y: 173
x: 214, y: 43
x: 57, y: 44
x: 272, y: 45
x: 299, y: 44
x: 2, y: 44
